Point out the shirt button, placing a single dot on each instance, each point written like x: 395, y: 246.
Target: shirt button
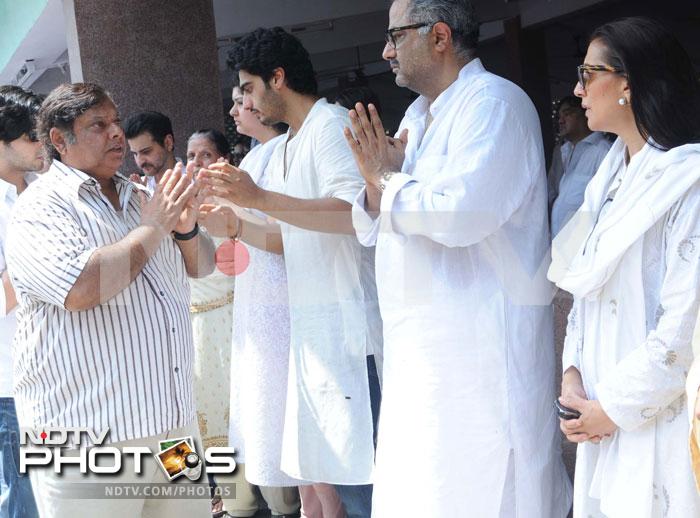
x: 161, y: 293
x: 172, y: 329
x: 177, y: 369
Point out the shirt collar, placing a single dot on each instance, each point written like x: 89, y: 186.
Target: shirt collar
x: 593, y: 138
x: 312, y: 112
x: 75, y: 178
x: 6, y: 189
x: 8, y: 192
x: 421, y: 105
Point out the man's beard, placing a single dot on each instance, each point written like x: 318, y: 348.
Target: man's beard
x: 274, y: 109
x: 153, y: 169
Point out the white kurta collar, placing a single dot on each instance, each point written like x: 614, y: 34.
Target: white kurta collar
x: 309, y: 116
x: 419, y: 107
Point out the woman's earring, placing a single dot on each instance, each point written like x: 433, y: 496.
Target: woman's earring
x: 622, y: 101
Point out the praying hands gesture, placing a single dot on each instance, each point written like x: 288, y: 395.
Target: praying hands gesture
x: 174, y: 205
x: 594, y: 423
x: 374, y: 152
x: 229, y: 182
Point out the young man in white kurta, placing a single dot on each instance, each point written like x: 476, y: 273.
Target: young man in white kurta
x: 327, y: 312
x: 328, y: 431
x: 461, y: 251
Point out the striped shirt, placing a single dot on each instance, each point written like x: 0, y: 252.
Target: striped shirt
x: 126, y: 364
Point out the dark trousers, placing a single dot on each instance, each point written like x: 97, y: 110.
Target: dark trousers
x: 358, y: 499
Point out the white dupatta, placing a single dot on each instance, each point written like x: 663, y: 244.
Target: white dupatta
x: 586, y: 254
x: 598, y: 257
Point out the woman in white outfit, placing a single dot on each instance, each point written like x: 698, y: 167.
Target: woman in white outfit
x: 260, y: 339
x: 631, y: 258
x: 211, y: 310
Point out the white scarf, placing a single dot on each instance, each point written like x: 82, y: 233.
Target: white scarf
x: 585, y: 254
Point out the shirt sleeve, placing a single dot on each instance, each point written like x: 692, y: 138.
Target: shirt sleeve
x: 335, y: 165
x: 491, y: 165
x: 650, y: 380
x: 366, y: 227
x: 46, y: 251
x: 573, y: 339
x: 554, y: 175
x: 3, y: 267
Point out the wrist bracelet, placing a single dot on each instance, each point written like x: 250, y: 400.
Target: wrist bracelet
x: 384, y: 179
x: 239, y: 231
x: 189, y: 235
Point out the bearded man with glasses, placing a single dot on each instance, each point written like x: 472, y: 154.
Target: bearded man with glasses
x: 456, y: 205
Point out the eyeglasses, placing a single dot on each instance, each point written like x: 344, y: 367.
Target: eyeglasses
x: 389, y: 35
x: 585, y: 70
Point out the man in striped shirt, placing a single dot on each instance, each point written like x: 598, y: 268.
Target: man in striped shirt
x: 103, y: 333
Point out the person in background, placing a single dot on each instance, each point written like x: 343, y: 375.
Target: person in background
x: 556, y: 171
x: 349, y: 97
x: 20, y: 156
x: 582, y: 152
x: 211, y: 305
x: 152, y: 143
x: 631, y: 258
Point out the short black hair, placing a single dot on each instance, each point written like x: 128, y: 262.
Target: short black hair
x: 155, y: 123
x: 570, y: 100
x: 349, y: 97
x: 18, y: 109
x: 264, y: 50
x: 63, y: 106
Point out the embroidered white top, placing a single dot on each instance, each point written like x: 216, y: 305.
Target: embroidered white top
x: 631, y: 258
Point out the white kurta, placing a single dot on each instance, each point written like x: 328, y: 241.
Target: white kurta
x: 260, y: 351
x: 635, y: 276
x: 461, y: 251
x: 328, y: 433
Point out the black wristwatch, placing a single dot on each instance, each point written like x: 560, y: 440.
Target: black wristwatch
x: 189, y: 235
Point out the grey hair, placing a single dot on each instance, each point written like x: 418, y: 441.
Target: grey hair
x: 459, y: 15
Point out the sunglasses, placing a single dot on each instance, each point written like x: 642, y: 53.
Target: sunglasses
x: 584, y: 72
